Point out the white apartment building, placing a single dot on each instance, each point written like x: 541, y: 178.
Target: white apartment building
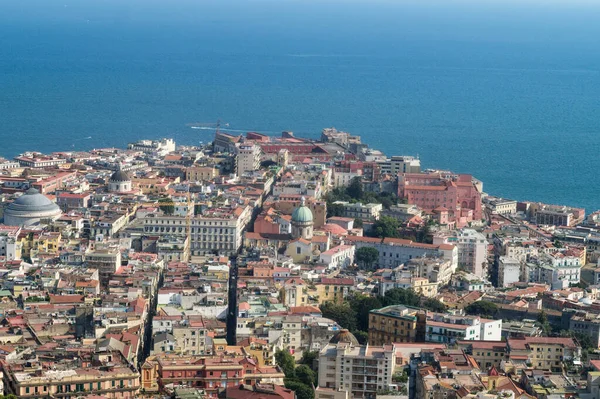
x: 396, y: 251
x: 343, y: 179
x: 248, y: 158
x: 10, y: 246
x: 472, y: 249
x: 400, y: 164
x: 557, y: 270
x: 160, y: 147
x: 449, y: 329
x: 217, y: 230
x: 509, y: 271
x: 357, y: 369
x: 361, y: 211
x: 338, y: 257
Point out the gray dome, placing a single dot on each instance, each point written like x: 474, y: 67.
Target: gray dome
x: 32, y: 201
x: 119, y: 176
x: 30, y: 208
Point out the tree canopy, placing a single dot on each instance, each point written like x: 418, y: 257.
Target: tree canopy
x: 385, y: 227
x: 286, y: 361
x: 367, y: 256
x: 482, y: 308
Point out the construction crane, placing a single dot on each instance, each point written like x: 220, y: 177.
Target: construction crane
x: 217, y: 125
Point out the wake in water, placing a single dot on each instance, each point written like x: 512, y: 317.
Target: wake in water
x: 234, y: 130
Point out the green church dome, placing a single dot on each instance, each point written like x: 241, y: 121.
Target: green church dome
x: 302, y: 214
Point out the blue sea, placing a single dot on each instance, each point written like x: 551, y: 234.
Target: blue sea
x: 506, y: 90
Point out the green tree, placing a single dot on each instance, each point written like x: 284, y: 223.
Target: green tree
x: 355, y: 189
x: 306, y: 375
x: 335, y: 210
x: 358, y: 223
x: 362, y: 305
x: 543, y: 322
x: 367, y: 256
x: 167, y: 206
x: 309, y: 357
x: 385, y: 227
x: 361, y: 336
x: 341, y: 313
x: 434, y: 305
x: 401, y: 296
x: 482, y: 308
x: 387, y: 202
x: 302, y: 391
x: 286, y: 361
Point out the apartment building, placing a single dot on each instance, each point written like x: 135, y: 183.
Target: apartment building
x: 396, y: 323
x: 509, y: 271
x: 10, y: 245
x: 360, y: 370
x: 248, y: 158
x: 395, y: 251
x: 116, y: 380
x: 216, y: 230
x: 544, y: 353
x: 160, y: 147
x: 472, y: 249
x: 399, y: 164
x: 106, y: 260
x: 210, y: 373
x: 367, y: 212
x: 450, y: 329
x: 487, y: 353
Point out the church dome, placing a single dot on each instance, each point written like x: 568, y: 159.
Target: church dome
x: 302, y: 214
x: 344, y: 336
x: 30, y: 208
x: 119, y: 176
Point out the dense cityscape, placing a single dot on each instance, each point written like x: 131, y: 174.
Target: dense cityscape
x: 287, y: 268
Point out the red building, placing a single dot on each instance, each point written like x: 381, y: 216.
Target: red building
x: 458, y: 194
x: 212, y: 374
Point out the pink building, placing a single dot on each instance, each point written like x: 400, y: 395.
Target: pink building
x: 457, y: 194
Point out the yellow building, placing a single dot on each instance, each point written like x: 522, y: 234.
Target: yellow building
x: 333, y: 289
x: 300, y: 250
x: 423, y: 287
x: 544, y: 353
x: 396, y: 323
x: 258, y: 349
x: 293, y: 292
x: 39, y: 242
x: 201, y: 173
x: 487, y: 353
x: 120, y: 381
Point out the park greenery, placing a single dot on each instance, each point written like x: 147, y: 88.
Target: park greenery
x: 300, y: 378
x: 482, y: 308
x: 353, y: 193
x: 385, y: 226
x: 353, y: 313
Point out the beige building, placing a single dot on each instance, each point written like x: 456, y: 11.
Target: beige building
x: 543, y: 353
x: 220, y: 230
x: 120, y: 381
x: 191, y: 339
x: 106, y: 260
x: 201, y: 173
x: 248, y: 158
x: 397, y: 323
x: 360, y: 370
